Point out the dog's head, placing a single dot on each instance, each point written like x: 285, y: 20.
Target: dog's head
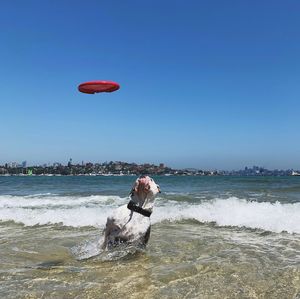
x: 144, y: 191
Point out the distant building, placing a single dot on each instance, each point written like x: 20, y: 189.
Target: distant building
x: 24, y: 164
x: 70, y: 162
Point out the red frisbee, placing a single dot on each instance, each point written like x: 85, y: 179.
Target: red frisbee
x: 98, y: 86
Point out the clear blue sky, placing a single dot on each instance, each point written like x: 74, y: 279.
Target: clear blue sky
x: 206, y: 84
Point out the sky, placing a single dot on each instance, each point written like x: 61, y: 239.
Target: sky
x: 204, y: 84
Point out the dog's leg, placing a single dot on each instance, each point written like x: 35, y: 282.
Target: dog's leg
x: 147, y: 235
x: 111, y: 230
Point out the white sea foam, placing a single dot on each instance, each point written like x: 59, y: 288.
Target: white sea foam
x: 67, y: 210
x: 35, y: 201
x: 275, y: 217
x: 93, y: 211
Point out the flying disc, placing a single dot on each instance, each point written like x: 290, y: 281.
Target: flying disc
x: 98, y: 86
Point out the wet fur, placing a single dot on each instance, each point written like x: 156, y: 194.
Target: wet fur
x: 126, y: 226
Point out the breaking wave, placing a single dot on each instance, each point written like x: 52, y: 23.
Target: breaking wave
x: 76, y: 211
x: 274, y: 217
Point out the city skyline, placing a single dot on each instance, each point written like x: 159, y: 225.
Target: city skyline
x: 211, y: 85
x: 70, y: 162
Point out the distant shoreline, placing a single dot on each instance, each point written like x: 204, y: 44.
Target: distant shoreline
x: 130, y: 169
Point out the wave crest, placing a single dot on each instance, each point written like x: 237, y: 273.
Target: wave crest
x: 274, y: 217
x: 93, y: 211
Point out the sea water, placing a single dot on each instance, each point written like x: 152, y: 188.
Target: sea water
x: 211, y: 237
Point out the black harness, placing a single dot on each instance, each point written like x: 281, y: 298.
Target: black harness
x: 133, y: 207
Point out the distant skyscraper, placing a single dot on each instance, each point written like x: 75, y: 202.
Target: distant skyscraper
x: 70, y: 162
x: 24, y: 164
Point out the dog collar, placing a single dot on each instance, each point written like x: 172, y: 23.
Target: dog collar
x: 133, y: 207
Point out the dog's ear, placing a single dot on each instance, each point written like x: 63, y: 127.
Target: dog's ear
x: 134, y: 187
x: 142, y: 184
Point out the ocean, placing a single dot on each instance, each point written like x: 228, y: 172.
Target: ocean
x: 211, y: 237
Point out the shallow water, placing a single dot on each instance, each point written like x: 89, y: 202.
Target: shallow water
x: 210, y: 238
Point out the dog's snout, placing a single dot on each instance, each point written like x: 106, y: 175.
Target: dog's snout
x: 158, y: 187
